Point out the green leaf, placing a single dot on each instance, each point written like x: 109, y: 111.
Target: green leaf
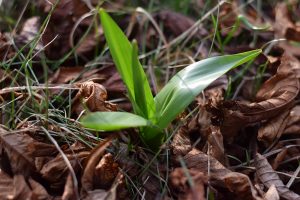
x: 189, y: 82
x: 112, y: 121
x: 129, y: 67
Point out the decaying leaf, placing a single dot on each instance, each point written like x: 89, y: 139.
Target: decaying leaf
x: 180, y: 184
x: 105, y: 171
x: 275, y: 96
x: 6, y: 185
x: 293, y: 126
x: 30, y: 190
x: 6, y: 50
x: 28, y: 33
x: 56, y: 171
x: 272, y: 194
x: 74, y: 74
x: 273, y: 128
x: 241, y: 185
x: 88, y: 177
x: 220, y: 176
x: 216, y: 146
x: 269, y: 177
x: 93, y: 96
x: 20, y: 151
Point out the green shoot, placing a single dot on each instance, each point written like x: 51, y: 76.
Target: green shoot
x: 153, y: 115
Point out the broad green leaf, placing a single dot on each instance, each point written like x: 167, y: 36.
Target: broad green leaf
x: 189, y: 82
x: 129, y: 67
x: 112, y: 121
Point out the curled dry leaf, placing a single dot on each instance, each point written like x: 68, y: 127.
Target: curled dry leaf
x: 273, y: 128
x: 180, y: 185
x: 105, y: 172
x: 241, y: 185
x: 220, y: 176
x: 293, y: 126
x: 269, y: 177
x: 93, y: 95
x: 56, y: 171
x: 275, y: 96
x: 88, y: 176
x: 181, y: 143
x: 216, y: 146
x: 20, y: 151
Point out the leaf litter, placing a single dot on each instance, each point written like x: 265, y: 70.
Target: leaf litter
x: 238, y: 140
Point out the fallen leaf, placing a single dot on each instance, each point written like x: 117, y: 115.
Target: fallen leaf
x: 220, y: 176
x: 6, y: 50
x: 105, y: 172
x: 6, y: 186
x: 275, y: 96
x: 20, y: 151
x: 272, y: 194
x: 88, y: 176
x: 269, y: 177
x: 56, y: 171
x: 74, y: 75
x: 273, y: 128
x: 93, y: 96
x: 28, y: 33
x: 241, y: 185
x: 179, y: 183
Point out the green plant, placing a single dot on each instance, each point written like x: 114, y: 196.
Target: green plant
x: 153, y: 115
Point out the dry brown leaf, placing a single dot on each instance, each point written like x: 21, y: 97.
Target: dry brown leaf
x: 69, y: 192
x: 105, y: 172
x: 181, y: 143
x: 216, y: 146
x: 269, y: 177
x: 68, y: 10
x: 273, y: 128
x: 78, y: 74
x: 241, y: 185
x: 293, y: 126
x: 20, y: 151
x: 6, y: 50
x: 284, y: 27
x: 174, y: 23
x: 6, y: 185
x: 93, y: 96
x: 56, y: 171
x: 219, y: 176
x: 88, y: 176
x: 180, y: 185
x: 29, y: 32
x: 272, y: 194
x: 275, y: 96
x: 28, y: 190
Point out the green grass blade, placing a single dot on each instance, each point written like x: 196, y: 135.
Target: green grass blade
x: 112, y: 121
x: 189, y: 82
x: 143, y: 95
x: 129, y: 67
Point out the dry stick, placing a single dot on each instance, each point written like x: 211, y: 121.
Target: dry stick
x: 64, y: 157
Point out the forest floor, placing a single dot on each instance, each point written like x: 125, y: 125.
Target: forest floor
x: 238, y: 139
